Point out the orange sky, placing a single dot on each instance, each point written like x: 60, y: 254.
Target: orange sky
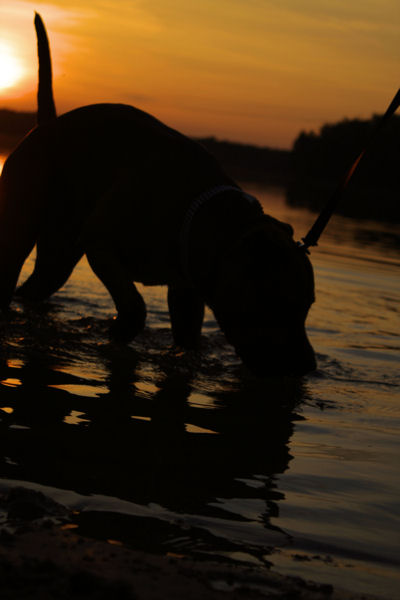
x: 246, y: 70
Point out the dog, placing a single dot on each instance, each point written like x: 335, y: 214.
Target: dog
x: 147, y: 204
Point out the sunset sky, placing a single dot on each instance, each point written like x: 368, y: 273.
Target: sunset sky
x: 254, y: 71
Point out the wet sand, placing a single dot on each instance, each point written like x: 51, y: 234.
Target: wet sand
x: 42, y: 557
x: 57, y: 563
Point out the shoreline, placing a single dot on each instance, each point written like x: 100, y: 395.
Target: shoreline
x: 50, y: 561
x: 43, y: 557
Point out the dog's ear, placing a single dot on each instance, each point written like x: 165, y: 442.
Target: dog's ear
x: 268, y: 257
x: 267, y: 232
x: 285, y: 227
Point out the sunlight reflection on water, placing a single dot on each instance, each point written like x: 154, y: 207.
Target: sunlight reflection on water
x: 231, y: 466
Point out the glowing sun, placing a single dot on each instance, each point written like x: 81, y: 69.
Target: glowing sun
x: 10, y: 67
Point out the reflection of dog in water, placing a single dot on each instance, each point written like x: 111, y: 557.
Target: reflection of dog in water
x: 147, y: 204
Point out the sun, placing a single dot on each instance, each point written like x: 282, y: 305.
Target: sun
x: 11, y: 69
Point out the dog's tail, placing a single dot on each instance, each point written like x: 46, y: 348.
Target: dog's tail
x: 46, y: 107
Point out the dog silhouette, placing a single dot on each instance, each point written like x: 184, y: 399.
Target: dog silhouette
x: 147, y: 204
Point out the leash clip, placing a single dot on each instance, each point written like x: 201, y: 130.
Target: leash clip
x: 302, y: 246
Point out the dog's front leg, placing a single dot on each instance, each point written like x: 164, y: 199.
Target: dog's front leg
x: 129, y: 303
x: 186, y: 310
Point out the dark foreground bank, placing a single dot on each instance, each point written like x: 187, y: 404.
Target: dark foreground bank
x: 42, y: 557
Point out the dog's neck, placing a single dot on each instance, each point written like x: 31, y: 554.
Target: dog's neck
x: 212, y: 224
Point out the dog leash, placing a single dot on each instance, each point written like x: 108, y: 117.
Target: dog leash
x: 312, y: 237
x: 196, y: 204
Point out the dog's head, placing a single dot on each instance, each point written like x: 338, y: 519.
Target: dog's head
x: 263, y: 292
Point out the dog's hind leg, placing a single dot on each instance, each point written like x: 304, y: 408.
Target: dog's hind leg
x: 129, y: 303
x: 54, y: 264
x: 186, y: 310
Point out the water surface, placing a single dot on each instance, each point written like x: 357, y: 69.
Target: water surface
x: 188, y: 453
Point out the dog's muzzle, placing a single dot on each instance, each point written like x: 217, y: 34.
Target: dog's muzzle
x: 295, y: 359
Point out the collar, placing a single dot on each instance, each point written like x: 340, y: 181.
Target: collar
x: 196, y: 204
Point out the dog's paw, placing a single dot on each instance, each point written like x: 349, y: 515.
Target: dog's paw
x: 125, y: 328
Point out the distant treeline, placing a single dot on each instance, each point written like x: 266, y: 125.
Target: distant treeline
x: 310, y: 172
x: 319, y: 162
x: 250, y: 163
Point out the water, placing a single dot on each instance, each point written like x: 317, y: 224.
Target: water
x: 188, y: 453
